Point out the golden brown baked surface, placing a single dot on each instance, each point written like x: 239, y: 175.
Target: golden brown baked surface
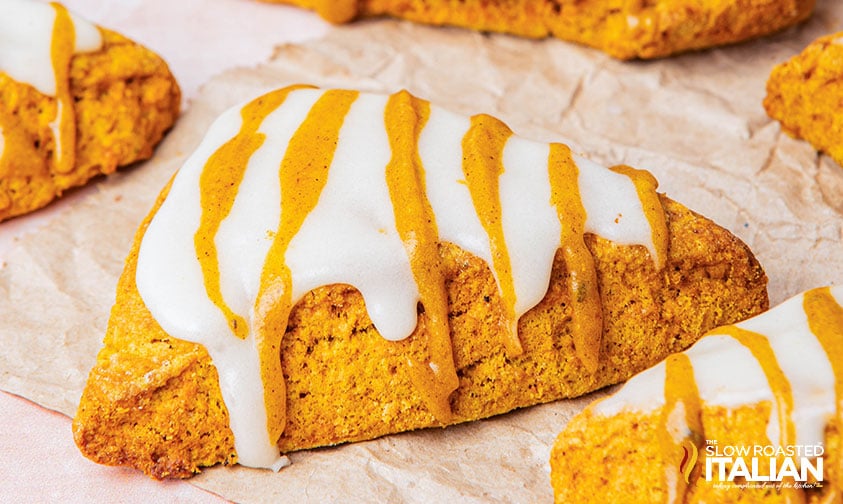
x: 153, y: 402
x: 625, y: 29
x: 804, y: 94
x: 125, y: 99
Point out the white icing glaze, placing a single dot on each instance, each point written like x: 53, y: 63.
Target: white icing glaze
x: 349, y: 237
x: 837, y: 294
x: 612, y: 208
x: 530, y: 223
x: 440, y: 150
x: 811, y: 379
x: 727, y: 374
x: 245, y: 236
x: 642, y: 392
x: 182, y: 308
x: 26, y: 34
x: 677, y: 425
x: 169, y: 278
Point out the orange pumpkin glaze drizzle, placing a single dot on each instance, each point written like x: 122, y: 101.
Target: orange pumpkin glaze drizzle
x: 219, y: 185
x: 482, y: 165
x: 583, y: 292
x: 646, y: 185
x: 825, y: 318
x: 760, y: 347
x: 303, y: 174
x: 337, y: 11
x: 679, y: 387
x: 404, y: 118
x: 61, y: 52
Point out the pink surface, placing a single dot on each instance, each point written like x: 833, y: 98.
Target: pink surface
x: 40, y: 463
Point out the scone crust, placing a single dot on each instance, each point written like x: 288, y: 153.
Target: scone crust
x: 125, y: 99
x: 625, y: 29
x: 153, y: 401
x: 805, y: 94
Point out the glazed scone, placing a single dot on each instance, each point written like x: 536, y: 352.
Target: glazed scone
x: 333, y: 266
x: 76, y: 101
x: 750, y: 413
x: 805, y: 94
x: 625, y: 29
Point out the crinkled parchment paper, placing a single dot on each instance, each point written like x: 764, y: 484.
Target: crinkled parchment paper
x: 695, y: 121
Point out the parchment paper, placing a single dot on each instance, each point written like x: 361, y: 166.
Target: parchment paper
x: 695, y: 121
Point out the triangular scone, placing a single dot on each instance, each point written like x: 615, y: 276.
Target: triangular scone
x: 76, y: 101
x: 625, y: 29
x: 750, y: 413
x: 497, y: 273
x: 805, y: 94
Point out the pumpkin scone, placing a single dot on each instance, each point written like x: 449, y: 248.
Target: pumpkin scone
x: 750, y: 413
x: 332, y: 266
x: 625, y: 29
x: 76, y: 101
x: 805, y: 94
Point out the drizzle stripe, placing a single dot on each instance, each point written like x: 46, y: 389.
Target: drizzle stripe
x: 64, y: 126
x: 405, y: 116
x: 483, y: 146
x: 760, y: 347
x: 825, y: 318
x: 303, y: 174
x: 219, y: 185
x: 646, y: 186
x: 530, y: 222
x: 679, y: 387
x: 586, y: 307
x: 441, y: 153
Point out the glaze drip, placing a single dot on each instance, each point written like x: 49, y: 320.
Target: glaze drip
x: 583, y: 293
x: 303, y: 174
x: 64, y: 124
x: 776, y: 379
x: 646, y: 186
x: 681, y: 419
x: 37, y: 43
x: 483, y: 146
x: 415, y: 221
x: 303, y: 188
x: 219, y: 185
